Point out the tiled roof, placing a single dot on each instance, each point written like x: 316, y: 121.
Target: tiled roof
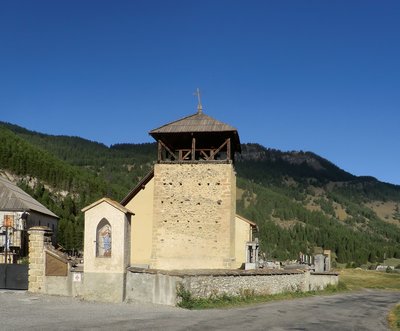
x: 12, y: 198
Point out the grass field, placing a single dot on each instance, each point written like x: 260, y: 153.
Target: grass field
x: 393, y: 262
x: 356, y: 279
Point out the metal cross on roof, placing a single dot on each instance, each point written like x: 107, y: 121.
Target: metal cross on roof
x: 199, y: 106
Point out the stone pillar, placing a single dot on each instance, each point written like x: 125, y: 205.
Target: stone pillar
x: 252, y: 248
x: 319, y: 262
x: 38, y: 237
x: 327, y: 254
x: 306, y: 283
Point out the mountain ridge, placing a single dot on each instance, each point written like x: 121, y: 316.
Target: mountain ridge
x: 298, y: 199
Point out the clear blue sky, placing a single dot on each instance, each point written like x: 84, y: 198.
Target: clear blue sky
x: 321, y: 76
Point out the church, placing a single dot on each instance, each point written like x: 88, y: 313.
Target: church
x: 181, y: 215
x: 177, y: 229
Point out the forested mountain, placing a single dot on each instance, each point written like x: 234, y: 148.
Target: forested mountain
x: 298, y: 199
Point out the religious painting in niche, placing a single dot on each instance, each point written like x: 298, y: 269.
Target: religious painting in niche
x: 104, y: 235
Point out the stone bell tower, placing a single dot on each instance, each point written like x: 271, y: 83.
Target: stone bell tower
x: 194, y: 194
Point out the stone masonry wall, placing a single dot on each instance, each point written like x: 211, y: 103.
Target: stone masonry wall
x: 38, y: 236
x: 194, y: 209
x: 160, y: 287
x: 258, y: 284
x: 318, y: 281
x: 206, y: 286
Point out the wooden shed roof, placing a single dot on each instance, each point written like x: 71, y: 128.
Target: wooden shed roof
x: 198, y: 122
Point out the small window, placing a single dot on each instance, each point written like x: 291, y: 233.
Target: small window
x: 103, y: 239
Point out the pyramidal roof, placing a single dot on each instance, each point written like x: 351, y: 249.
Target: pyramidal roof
x: 12, y: 198
x: 198, y: 122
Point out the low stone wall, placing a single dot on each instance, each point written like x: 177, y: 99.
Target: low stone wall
x: 49, y: 270
x: 152, y: 288
x: 104, y: 287
x: 208, y: 286
x: 71, y: 285
x: 160, y: 287
x: 51, y: 273
x: 319, y: 281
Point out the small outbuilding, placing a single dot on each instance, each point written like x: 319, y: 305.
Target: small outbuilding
x: 18, y: 213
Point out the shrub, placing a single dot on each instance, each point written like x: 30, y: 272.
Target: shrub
x: 185, y: 297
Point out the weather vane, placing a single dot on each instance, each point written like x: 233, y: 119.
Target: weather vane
x: 199, y: 106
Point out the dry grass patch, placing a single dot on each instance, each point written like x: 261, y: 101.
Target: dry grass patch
x: 339, y: 211
x: 356, y: 279
x: 312, y: 205
x: 394, y: 318
x: 385, y: 210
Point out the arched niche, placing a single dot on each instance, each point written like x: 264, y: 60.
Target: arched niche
x: 104, y: 239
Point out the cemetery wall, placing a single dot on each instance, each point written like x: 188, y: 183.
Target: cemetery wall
x: 160, y: 287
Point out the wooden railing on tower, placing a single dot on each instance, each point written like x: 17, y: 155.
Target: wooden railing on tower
x: 222, y: 153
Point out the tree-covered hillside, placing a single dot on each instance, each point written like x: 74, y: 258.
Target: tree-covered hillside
x: 298, y: 199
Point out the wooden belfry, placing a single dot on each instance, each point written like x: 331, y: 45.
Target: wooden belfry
x: 196, y: 138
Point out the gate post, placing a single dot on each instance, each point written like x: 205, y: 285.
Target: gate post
x: 38, y: 237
